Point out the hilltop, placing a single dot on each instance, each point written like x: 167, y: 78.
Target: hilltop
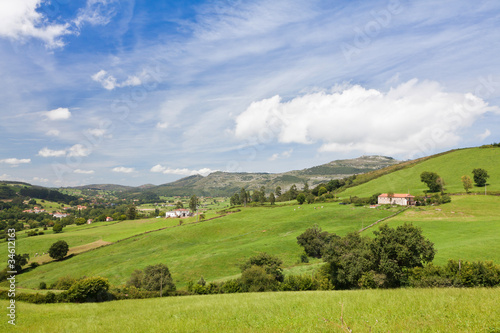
x: 451, y: 166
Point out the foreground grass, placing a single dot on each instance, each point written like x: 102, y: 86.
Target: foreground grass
x: 403, y: 310
x: 451, y: 167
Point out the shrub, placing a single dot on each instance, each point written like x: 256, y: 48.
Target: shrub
x: 63, y: 283
x: 271, y: 264
x: 42, y: 285
x: 232, y: 286
x: 313, y: 240
x: 256, y: 278
x: 92, y: 289
x: 297, y: 283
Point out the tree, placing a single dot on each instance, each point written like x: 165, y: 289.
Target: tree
x: 293, y: 192
x: 301, y: 198
x: 19, y: 261
x: 397, y: 250
x: 80, y: 221
x: 58, y: 250
x: 193, y: 203
x: 157, y: 278
x: 349, y: 258
x: 480, y: 177
x: 322, y: 190
x: 57, y: 228
x: 313, y: 240
x: 278, y: 191
x: 306, y: 187
x: 467, y: 182
x: 131, y: 212
x: 244, y: 196
x: 179, y: 205
x: 272, y: 198
x: 431, y: 179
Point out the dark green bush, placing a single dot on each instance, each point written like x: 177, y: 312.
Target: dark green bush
x: 92, y: 289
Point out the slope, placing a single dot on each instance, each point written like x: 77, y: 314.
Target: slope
x: 451, y: 167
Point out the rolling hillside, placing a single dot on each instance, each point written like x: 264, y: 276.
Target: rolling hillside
x: 450, y: 166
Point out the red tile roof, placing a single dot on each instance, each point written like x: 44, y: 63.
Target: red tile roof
x: 397, y: 195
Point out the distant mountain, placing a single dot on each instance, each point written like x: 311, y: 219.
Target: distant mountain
x: 227, y: 183
x: 105, y: 187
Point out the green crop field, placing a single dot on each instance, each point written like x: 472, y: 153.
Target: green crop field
x: 468, y: 228
x: 400, y: 310
x: 451, y: 167
x: 213, y: 249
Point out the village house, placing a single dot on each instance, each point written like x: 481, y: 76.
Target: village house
x: 178, y: 213
x: 108, y: 219
x: 396, y: 199
x: 89, y: 221
x: 60, y: 215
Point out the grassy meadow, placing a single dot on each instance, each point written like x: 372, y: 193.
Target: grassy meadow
x: 468, y: 228
x: 451, y: 167
x: 213, y: 249
x: 399, y: 310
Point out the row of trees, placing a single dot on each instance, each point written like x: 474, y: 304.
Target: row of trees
x: 435, y: 183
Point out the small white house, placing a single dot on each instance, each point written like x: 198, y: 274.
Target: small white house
x: 396, y: 199
x: 182, y: 212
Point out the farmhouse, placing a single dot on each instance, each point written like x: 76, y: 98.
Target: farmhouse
x: 396, y: 199
x: 178, y: 213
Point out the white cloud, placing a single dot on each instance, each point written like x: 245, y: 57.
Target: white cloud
x: 58, y: 114
x: 5, y: 177
x: 285, y: 154
x: 19, y: 19
x: 96, y: 12
x: 53, y: 132
x: 123, y: 170
x: 77, y: 150
x: 15, y: 161
x: 46, y: 152
x: 415, y: 117
x: 97, y: 132
x: 182, y: 172
x: 40, y: 180
x: 162, y: 125
x: 109, y: 82
x: 484, y: 135
x: 85, y: 172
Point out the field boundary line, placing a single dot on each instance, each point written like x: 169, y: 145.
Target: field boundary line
x: 383, y: 219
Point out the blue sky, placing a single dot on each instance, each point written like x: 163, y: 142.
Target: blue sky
x: 136, y: 92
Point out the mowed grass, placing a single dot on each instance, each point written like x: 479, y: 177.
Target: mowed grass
x: 400, y: 310
x: 468, y: 228
x: 451, y: 167
x: 213, y: 249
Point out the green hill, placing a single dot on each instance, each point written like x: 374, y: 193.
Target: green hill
x: 450, y: 166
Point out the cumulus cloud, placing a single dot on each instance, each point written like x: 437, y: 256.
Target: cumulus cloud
x: 15, y: 161
x: 123, y: 170
x: 414, y: 117
x: 109, y: 82
x: 46, y: 152
x: 484, y: 135
x: 85, y: 172
x: 77, y: 150
x: 58, y: 114
x: 181, y: 172
x: 20, y: 19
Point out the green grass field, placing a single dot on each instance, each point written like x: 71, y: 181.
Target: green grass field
x: 212, y: 249
x: 468, y: 228
x: 451, y: 167
x: 400, y: 310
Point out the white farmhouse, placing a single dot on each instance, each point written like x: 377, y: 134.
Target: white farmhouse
x: 396, y: 199
x: 178, y: 213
